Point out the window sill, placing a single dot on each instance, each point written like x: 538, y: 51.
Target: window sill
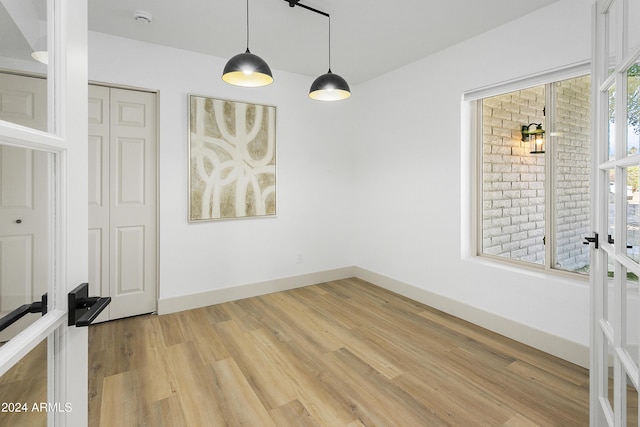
x: 529, y: 270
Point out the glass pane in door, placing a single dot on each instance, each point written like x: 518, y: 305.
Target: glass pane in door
x: 25, y: 215
x: 633, y: 215
x: 632, y: 338
x: 632, y: 404
x: 607, y: 296
x: 633, y: 17
x: 611, y: 36
x: 23, y: 389
x: 611, y: 198
x: 610, y: 391
x: 23, y: 52
x: 633, y: 108
x: 611, y: 135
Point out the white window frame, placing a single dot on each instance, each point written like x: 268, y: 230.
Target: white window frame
x: 472, y: 168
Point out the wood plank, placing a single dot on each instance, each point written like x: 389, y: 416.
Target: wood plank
x: 293, y: 410
x: 165, y: 413
x: 520, y: 421
x: 262, y: 371
x: 241, y: 405
x: 195, y: 386
x: 119, y: 406
x: 322, y: 404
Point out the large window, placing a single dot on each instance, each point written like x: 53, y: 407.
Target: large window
x: 535, y: 198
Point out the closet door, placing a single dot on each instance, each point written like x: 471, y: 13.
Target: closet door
x: 98, y: 181
x: 123, y: 199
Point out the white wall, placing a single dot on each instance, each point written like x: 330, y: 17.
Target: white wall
x: 314, y: 173
x: 412, y: 188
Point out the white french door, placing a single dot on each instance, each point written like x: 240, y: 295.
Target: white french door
x: 615, y: 326
x: 62, y: 148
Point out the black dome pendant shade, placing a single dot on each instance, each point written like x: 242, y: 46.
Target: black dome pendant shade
x: 246, y: 69
x: 329, y: 87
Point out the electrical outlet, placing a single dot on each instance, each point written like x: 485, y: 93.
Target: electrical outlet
x: 299, y: 258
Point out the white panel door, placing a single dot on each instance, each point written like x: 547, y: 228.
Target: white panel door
x: 133, y: 202
x: 98, y: 182
x: 23, y: 100
x: 122, y: 199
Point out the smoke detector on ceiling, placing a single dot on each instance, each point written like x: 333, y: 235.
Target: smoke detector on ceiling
x: 142, y: 17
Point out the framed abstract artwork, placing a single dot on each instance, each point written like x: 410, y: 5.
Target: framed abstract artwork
x: 232, y: 159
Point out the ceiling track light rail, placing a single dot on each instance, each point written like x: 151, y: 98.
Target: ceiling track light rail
x: 293, y: 3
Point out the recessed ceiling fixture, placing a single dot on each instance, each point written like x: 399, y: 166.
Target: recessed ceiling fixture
x: 247, y: 69
x: 329, y: 86
x: 143, y: 17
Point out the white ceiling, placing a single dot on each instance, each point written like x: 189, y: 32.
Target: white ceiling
x: 369, y: 37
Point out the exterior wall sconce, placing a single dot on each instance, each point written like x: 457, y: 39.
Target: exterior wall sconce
x: 535, y: 137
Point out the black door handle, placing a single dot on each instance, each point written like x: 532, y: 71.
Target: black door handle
x: 593, y: 239
x: 23, y: 310
x: 83, y: 310
x: 611, y: 241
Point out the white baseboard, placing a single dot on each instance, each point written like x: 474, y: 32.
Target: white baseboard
x: 218, y: 296
x: 557, y: 346
x: 552, y: 344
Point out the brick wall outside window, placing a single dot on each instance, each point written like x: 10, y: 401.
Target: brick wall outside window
x: 573, y: 173
x: 513, y: 182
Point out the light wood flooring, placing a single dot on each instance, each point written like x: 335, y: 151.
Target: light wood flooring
x: 343, y: 353
x: 22, y: 387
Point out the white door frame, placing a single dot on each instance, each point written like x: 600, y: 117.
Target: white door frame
x: 613, y: 300
x: 68, y: 366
